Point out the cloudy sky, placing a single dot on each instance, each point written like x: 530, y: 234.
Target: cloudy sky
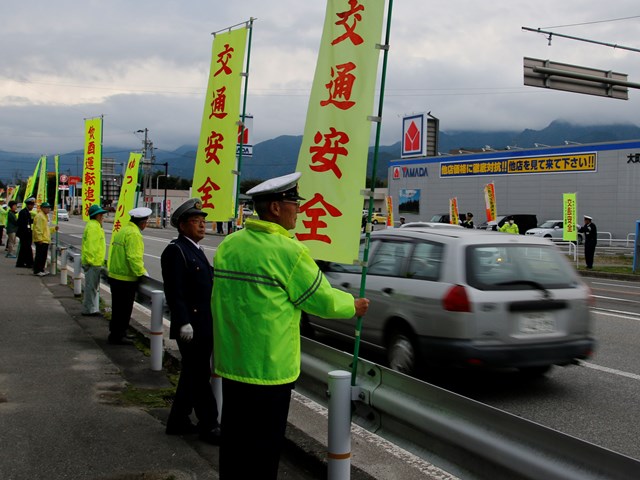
x: 144, y: 64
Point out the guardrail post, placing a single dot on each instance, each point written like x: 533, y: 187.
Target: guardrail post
x: 156, y: 331
x: 53, y: 253
x: 339, y: 445
x: 63, y: 265
x: 77, y: 274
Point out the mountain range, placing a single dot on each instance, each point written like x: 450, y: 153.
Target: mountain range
x: 278, y: 156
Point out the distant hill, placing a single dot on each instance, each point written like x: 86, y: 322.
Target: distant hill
x: 278, y: 156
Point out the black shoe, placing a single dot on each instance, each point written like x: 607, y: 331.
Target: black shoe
x: 181, y: 429
x: 212, y: 437
x: 119, y: 341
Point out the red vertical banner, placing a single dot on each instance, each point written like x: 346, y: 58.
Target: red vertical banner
x: 454, y: 216
x: 490, y: 201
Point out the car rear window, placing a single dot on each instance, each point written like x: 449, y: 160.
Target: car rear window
x: 517, y: 267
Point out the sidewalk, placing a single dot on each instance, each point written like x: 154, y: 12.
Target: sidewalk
x: 62, y: 414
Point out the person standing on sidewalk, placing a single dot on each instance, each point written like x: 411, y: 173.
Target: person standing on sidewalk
x: 188, y: 279
x: 263, y: 280
x: 510, y: 227
x: 25, y: 234
x: 42, y: 239
x: 3, y: 221
x: 590, y: 240
x: 126, y: 268
x: 93, y: 253
x: 12, y: 229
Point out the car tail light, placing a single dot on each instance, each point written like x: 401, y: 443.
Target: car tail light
x: 456, y: 300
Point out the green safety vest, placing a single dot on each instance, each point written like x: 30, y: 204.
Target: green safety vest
x: 263, y: 279
x: 3, y: 217
x: 93, y: 244
x: 507, y: 228
x: 126, y: 259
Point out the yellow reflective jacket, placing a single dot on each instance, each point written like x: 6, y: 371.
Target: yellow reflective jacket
x: 507, y: 228
x: 41, y: 229
x: 263, y: 279
x: 93, y: 244
x: 3, y: 217
x: 126, y: 259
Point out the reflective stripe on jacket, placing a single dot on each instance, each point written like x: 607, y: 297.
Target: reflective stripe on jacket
x: 126, y: 259
x: 93, y: 244
x: 262, y: 281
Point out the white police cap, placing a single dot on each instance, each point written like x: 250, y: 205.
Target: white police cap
x: 279, y: 188
x: 140, y: 213
x: 588, y: 217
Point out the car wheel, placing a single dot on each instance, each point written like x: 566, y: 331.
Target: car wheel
x: 375, y: 222
x: 534, y: 372
x: 402, y: 353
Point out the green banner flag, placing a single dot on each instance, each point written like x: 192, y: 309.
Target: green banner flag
x: 31, y: 182
x: 335, y: 145
x: 42, y: 183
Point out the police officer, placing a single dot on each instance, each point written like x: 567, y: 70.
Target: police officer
x: 126, y: 268
x: 590, y: 240
x: 263, y: 280
x: 93, y: 253
x: 25, y: 234
x: 510, y: 226
x: 188, y: 279
x: 468, y: 221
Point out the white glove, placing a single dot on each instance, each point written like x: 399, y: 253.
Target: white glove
x: 186, y: 332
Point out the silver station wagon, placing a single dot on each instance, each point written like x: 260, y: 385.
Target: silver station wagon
x: 466, y: 297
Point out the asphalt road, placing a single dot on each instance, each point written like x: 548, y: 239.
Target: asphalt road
x: 596, y: 401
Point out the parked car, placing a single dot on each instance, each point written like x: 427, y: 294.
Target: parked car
x: 454, y: 296
x: 551, y: 229
x: 441, y: 218
x: 377, y: 218
x: 525, y: 221
x: 63, y: 215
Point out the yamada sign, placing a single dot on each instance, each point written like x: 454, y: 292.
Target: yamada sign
x: 408, y: 172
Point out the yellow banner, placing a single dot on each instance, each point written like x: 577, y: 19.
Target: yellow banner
x: 389, y: 202
x: 42, y: 182
x: 92, y: 167
x: 454, y: 216
x: 127, y: 198
x: 569, y: 209
x: 213, y: 178
x: 31, y: 182
x: 490, y: 201
x: 335, y: 146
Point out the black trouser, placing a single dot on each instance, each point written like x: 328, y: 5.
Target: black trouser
x: 25, y: 254
x: 254, y: 419
x: 1, y: 233
x: 123, y: 294
x: 194, y: 387
x: 40, y: 262
x: 589, y: 251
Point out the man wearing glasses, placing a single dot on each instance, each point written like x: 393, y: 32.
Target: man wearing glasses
x: 188, y: 278
x: 263, y: 280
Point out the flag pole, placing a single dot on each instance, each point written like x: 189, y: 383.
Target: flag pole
x: 365, y: 258
x: 244, y: 113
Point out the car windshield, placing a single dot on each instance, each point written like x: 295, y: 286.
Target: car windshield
x: 518, y: 267
x: 548, y: 224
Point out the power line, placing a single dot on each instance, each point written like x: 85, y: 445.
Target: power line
x: 594, y: 22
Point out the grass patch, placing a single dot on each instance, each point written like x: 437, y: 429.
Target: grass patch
x: 147, y: 397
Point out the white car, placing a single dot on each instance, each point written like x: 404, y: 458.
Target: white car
x: 63, y: 215
x: 551, y: 229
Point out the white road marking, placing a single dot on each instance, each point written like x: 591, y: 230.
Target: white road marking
x: 616, y: 285
x: 610, y: 370
x: 616, y: 299
x: 617, y: 313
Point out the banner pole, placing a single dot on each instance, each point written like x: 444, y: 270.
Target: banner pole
x: 244, y: 113
x: 365, y: 257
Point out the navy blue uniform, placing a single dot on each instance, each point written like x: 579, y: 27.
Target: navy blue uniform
x: 590, y: 241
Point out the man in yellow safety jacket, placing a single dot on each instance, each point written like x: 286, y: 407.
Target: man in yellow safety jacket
x: 42, y: 239
x: 263, y: 279
x: 93, y: 253
x: 510, y: 227
x: 126, y: 268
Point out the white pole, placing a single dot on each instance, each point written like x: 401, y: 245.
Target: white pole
x: 77, y: 274
x: 53, y: 265
x: 339, y: 446
x: 63, y: 265
x: 156, y: 331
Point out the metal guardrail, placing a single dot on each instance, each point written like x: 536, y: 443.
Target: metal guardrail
x: 430, y: 421
x: 424, y: 419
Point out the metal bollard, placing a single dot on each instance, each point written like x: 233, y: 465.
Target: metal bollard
x: 339, y: 445
x: 156, y: 331
x: 63, y: 265
x: 53, y: 265
x: 77, y: 274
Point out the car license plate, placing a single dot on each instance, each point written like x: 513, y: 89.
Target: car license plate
x: 536, y: 322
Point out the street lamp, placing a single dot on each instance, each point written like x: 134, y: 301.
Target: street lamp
x: 164, y: 203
